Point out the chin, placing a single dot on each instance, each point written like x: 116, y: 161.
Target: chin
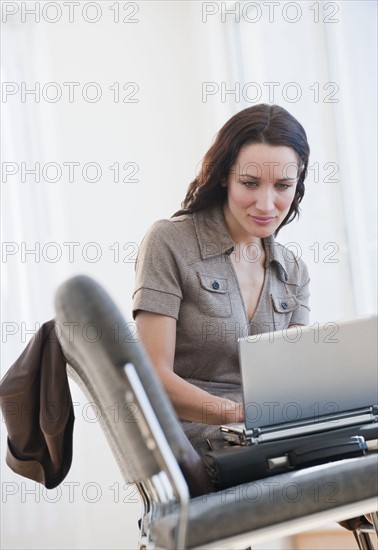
x: 262, y: 232
x: 266, y: 233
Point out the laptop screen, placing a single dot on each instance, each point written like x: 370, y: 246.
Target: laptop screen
x: 308, y: 373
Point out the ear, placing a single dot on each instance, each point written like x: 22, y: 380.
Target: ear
x: 223, y: 183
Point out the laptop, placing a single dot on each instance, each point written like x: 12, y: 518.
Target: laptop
x: 307, y: 379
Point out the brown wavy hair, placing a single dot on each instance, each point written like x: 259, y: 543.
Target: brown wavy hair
x: 270, y: 124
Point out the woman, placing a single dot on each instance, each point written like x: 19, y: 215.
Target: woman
x: 213, y: 272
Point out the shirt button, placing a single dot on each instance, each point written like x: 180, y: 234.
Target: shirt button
x: 215, y: 285
x: 284, y: 305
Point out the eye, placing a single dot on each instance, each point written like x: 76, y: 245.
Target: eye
x: 283, y: 186
x: 249, y: 184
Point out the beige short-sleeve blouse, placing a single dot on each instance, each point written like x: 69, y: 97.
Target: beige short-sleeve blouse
x: 184, y: 271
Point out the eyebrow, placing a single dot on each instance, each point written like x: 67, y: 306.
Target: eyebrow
x: 259, y: 179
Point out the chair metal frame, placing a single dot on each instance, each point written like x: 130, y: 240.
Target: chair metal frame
x: 174, y: 482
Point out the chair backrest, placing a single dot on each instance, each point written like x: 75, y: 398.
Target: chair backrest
x: 98, y: 343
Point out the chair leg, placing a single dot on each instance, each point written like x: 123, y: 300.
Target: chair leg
x: 374, y: 518
x: 363, y: 540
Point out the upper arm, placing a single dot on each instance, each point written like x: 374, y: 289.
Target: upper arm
x: 157, y: 333
x: 160, y: 274
x: 160, y: 271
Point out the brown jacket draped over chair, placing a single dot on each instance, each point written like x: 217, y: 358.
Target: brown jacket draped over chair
x: 37, y: 408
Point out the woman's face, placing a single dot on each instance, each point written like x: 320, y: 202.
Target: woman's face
x: 260, y: 189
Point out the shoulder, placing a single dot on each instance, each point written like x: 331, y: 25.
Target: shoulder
x: 174, y: 234
x: 171, y: 227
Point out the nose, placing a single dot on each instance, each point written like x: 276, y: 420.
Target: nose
x: 265, y: 200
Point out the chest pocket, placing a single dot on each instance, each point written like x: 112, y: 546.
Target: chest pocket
x: 283, y: 308
x: 213, y: 296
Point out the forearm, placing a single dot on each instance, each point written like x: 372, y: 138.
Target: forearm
x: 158, y: 335
x: 194, y: 404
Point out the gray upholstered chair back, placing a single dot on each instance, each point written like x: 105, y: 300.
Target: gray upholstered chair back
x: 96, y: 338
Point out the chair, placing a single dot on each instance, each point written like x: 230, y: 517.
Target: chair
x: 153, y: 452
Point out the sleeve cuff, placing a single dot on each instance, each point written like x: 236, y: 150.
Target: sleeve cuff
x: 155, y: 301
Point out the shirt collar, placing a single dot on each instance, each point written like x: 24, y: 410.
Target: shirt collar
x: 214, y: 238
x: 275, y: 252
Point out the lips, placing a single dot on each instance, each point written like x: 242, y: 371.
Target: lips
x: 263, y: 220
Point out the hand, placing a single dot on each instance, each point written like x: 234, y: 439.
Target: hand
x: 232, y: 412
x: 241, y: 412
